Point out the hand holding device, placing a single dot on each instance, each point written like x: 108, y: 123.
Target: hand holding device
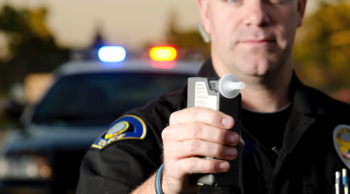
x: 222, y: 95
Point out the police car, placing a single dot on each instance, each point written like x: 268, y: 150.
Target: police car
x: 85, y: 98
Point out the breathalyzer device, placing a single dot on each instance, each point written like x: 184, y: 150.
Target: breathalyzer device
x: 222, y: 95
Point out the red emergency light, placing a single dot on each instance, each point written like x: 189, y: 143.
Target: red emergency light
x: 163, y: 57
x: 163, y: 53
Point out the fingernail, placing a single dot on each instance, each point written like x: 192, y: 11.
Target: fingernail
x: 227, y: 122
x: 224, y: 165
x: 233, y: 138
x: 231, y: 152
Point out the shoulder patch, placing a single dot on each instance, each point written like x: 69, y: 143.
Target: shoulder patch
x: 341, y: 140
x: 126, y: 127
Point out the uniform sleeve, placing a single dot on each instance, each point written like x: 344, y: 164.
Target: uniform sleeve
x: 120, y: 166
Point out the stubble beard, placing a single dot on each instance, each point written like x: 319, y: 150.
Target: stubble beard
x: 264, y: 66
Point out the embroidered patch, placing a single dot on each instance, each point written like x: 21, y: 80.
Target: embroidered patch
x: 117, y: 129
x: 341, y: 139
x: 126, y: 127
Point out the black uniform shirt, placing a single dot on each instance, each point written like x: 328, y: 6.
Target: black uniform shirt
x: 306, y: 162
x: 268, y: 130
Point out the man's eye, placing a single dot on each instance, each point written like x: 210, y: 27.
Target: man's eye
x: 276, y: 1
x: 235, y: 1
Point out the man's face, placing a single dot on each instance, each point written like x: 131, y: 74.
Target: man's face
x: 252, y: 37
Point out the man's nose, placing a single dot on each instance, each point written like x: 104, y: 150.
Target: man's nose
x: 256, y: 13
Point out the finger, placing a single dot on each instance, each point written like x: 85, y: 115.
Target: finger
x: 202, y: 115
x: 200, y: 131
x: 191, y: 148
x: 197, y: 165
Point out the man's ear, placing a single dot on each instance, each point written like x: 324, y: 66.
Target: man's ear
x: 301, y: 11
x: 204, y: 12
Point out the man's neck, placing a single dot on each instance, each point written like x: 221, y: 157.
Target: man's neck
x: 266, y: 94
x: 267, y: 98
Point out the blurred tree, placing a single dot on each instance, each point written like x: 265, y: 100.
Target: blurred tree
x: 322, y: 48
x: 189, y: 42
x: 32, y: 47
x: 37, y: 22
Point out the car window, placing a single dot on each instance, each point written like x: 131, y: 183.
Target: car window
x: 99, y: 99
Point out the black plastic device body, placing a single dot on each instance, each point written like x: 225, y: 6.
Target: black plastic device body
x: 197, y: 87
x: 231, y: 107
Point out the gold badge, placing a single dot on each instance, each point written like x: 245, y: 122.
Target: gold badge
x: 341, y: 139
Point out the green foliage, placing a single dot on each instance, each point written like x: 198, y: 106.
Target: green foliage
x: 32, y: 47
x: 322, y: 48
x: 20, y: 28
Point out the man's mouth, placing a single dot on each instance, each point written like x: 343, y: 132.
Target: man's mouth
x: 258, y: 42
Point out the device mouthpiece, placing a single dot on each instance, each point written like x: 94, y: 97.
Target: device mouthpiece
x: 230, y: 86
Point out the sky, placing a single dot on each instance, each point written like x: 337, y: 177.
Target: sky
x: 123, y: 22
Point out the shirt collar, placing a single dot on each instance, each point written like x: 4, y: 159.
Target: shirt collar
x: 303, y: 101
x: 306, y: 107
x: 207, y: 70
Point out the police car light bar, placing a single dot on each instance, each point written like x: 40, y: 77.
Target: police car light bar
x: 112, y: 54
x: 164, y: 54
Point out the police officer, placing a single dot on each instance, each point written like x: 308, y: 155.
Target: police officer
x: 287, y: 127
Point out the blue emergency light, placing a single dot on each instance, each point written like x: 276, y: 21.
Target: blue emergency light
x: 112, y: 54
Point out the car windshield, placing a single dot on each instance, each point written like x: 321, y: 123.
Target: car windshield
x: 99, y: 99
